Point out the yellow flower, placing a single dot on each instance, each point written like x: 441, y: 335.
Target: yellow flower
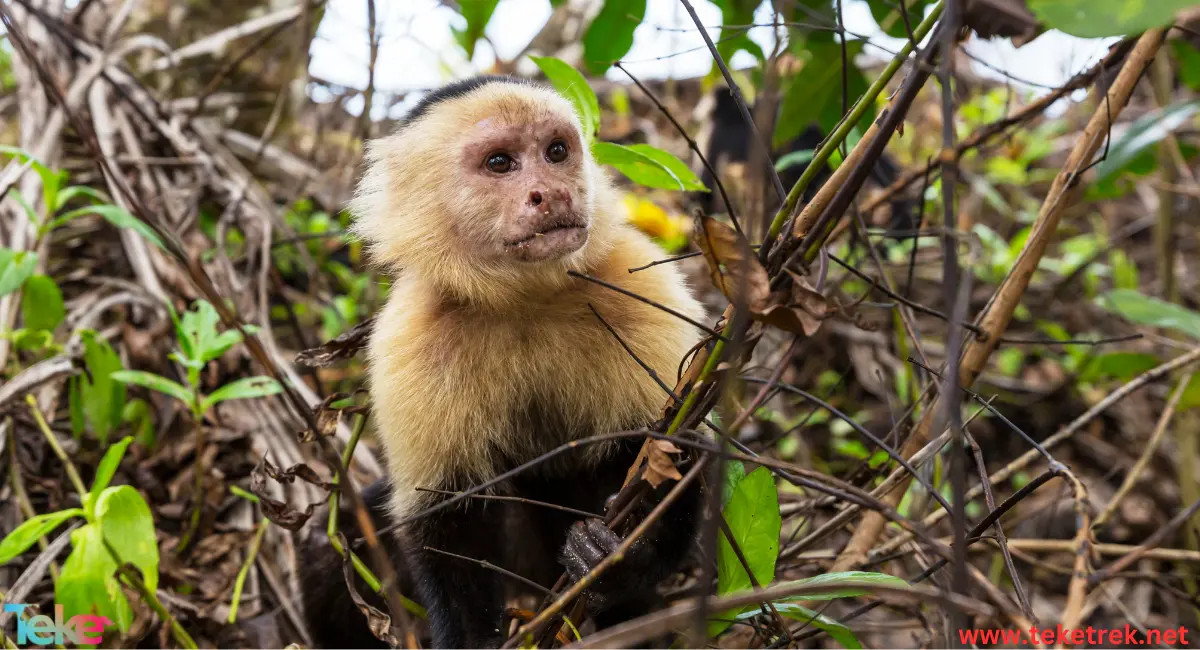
x: 671, y: 231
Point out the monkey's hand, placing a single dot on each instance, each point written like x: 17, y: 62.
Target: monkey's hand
x: 633, y: 578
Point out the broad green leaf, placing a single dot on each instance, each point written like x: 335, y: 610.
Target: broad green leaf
x: 849, y: 584
x: 571, y: 85
x: 1100, y: 18
x: 88, y: 583
x: 42, y: 305
x: 1146, y: 310
x: 887, y: 15
x: 610, y: 35
x: 1144, y: 133
x: 477, y: 13
x: 839, y: 632
x: 25, y: 535
x: 105, y: 471
x: 245, y: 388
x: 128, y: 526
x: 102, y: 396
x: 753, y: 517
x: 816, y: 89
x: 735, y: 471
x: 115, y: 215
x: 1121, y: 366
x: 647, y: 166
x: 197, y: 331
x: 15, y: 268
x: 676, y: 167
x: 154, y: 382
x: 795, y: 158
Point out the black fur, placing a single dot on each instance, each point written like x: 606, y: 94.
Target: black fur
x: 465, y: 601
x: 333, y: 618
x: 454, y: 91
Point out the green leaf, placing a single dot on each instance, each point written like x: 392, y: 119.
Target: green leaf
x: 42, y: 305
x: 115, y: 215
x: 225, y: 340
x: 1144, y: 133
x: 75, y: 401
x: 102, y: 396
x: 245, y: 388
x: 816, y: 89
x: 1146, y: 310
x: 137, y: 414
x: 753, y: 517
x: 198, y: 327
x: 477, y: 13
x: 51, y: 179
x: 572, y: 85
x: 1100, y: 18
x: 25, y: 205
x: 839, y: 632
x: 735, y: 471
x: 1188, y: 59
x: 15, y: 268
x: 610, y: 35
x: 860, y: 584
x: 1191, y: 394
x: 87, y: 583
x: 128, y: 526
x: 1121, y: 366
x: 887, y: 15
x: 154, y: 382
x: 802, y: 157
x: 70, y: 193
x: 32, y: 529
x: 105, y: 471
x: 648, y: 166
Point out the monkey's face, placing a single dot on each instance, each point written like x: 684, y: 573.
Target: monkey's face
x: 530, y: 182
x: 491, y: 193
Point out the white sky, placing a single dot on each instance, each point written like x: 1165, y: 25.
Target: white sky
x: 417, y: 49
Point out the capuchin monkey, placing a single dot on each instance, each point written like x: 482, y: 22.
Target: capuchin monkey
x: 488, y: 354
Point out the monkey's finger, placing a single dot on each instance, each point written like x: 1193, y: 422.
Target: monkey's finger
x: 580, y: 552
x: 603, y: 536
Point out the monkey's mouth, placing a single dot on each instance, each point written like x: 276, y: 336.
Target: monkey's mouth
x: 557, y: 227
x: 551, y: 239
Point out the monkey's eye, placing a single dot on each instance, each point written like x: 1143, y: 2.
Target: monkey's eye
x: 500, y: 163
x: 557, y: 151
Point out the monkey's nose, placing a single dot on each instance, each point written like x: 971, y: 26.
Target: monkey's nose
x: 535, y: 198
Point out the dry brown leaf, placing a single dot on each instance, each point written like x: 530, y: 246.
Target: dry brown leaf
x: 801, y: 309
x: 328, y: 417
x: 1002, y: 18
x: 279, y: 512
x: 379, y: 623
x: 659, y: 466
x: 344, y: 346
x: 732, y: 265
